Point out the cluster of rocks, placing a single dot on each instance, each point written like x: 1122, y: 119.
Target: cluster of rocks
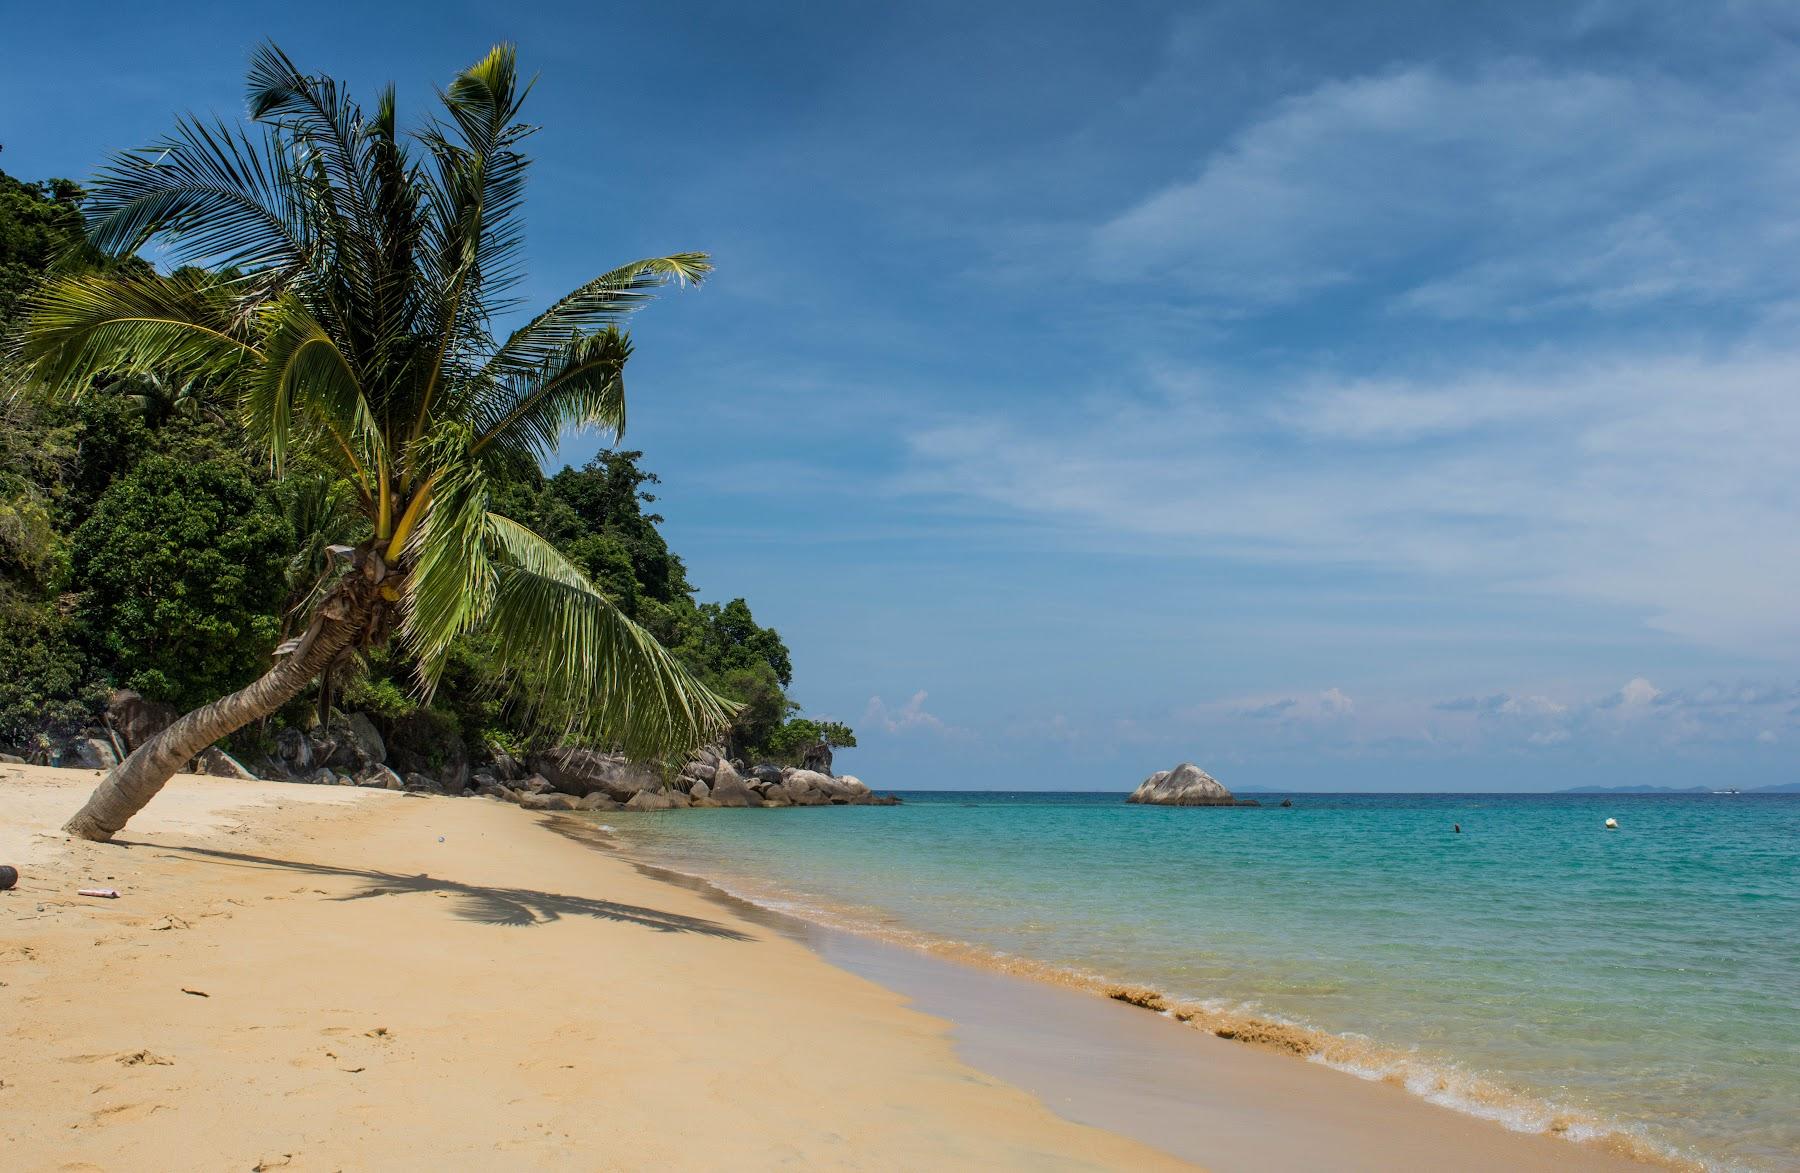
x: 585, y: 779
x: 129, y: 721
x: 350, y: 751
x: 1186, y: 785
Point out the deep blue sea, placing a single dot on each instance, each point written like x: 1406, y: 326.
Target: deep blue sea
x: 1536, y: 968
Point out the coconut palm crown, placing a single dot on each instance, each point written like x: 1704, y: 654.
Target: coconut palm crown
x: 342, y: 284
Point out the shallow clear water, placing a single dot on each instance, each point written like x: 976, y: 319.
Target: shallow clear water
x: 1647, y: 977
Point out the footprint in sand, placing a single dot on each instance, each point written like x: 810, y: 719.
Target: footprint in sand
x: 126, y: 1113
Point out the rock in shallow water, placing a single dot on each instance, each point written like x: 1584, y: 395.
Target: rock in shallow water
x: 1185, y: 785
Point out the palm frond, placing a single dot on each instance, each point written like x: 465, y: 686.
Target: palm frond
x: 522, y: 419
x: 394, y: 296
x: 304, y: 368
x: 604, y: 301
x: 329, y: 124
x: 78, y: 328
x: 216, y: 196
x: 362, y: 194
x: 485, y: 99
x: 450, y: 580
x: 601, y: 674
x: 471, y: 233
x: 323, y: 511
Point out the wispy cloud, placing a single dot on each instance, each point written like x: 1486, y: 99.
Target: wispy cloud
x: 1657, y: 479
x: 909, y: 717
x: 1635, y: 720
x: 1513, y: 189
x: 1502, y: 704
x: 1638, y: 716
x: 1331, y: 704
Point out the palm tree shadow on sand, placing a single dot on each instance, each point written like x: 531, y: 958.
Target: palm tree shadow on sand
x: 518, y: 907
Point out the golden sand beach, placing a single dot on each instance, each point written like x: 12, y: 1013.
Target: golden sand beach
x: 333, y: 978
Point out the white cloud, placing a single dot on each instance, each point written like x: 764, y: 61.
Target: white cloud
x: 1532, y: 706
x: 1511, y: 190
x: 1655, y: 478
x: 909, y: 716
x: 1637, y: 718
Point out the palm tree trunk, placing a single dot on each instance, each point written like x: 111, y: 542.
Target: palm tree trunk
x: 340, y: 622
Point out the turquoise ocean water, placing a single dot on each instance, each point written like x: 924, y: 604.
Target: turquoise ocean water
x: 1536, y: 968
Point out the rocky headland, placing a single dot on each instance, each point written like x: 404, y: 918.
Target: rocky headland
x: 1186, y: 785
x: 350, y: 751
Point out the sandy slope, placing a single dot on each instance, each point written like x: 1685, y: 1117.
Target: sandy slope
x: 504, y: 998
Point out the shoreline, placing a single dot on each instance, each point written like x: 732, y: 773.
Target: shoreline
x: 323, y: 978
x: 331, y: 978
x: 913, y: 961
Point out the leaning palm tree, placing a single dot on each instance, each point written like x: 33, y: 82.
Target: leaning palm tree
x: 355, y: 275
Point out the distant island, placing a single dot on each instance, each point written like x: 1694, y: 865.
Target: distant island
x: 1782, y: 788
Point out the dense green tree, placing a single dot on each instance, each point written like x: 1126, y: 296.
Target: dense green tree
x: 795, y: 736
x: 43, y: 677
x: 764, y: 707
x: 179, y: 572
x: 44, y: 680
x: 727, y: 639
x: 38, y: 222
x: 33, y: 456
x: 606, y: 497
x: 369, y: 265
x: 46, y: 689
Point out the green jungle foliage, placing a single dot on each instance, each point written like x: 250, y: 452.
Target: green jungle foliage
x: 141, y: 547
x: 178, y: 572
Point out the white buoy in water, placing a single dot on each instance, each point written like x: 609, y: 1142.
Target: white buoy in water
x: 1612, y: 824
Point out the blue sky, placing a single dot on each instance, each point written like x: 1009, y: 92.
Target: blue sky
x: 1399, y: 398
